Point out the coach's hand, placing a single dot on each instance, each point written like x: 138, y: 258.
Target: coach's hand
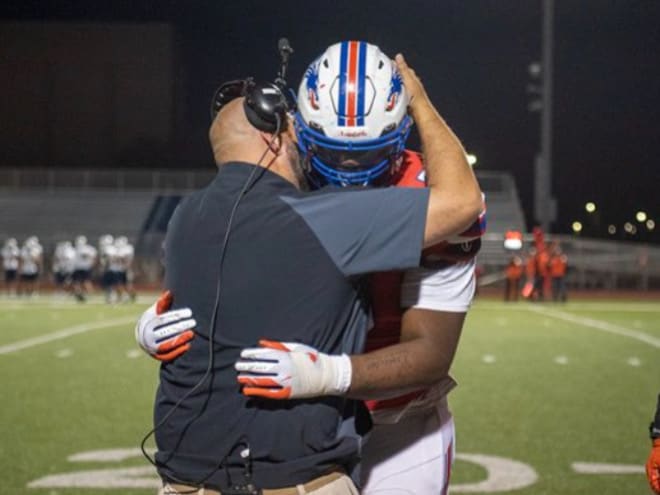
x: 288, y: 370
x: 653, y: 466
x: 165, y: 335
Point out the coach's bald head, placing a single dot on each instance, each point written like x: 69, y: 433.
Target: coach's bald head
x: 234, y: 139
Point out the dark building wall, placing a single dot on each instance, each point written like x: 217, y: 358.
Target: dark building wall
x: 85, y: 94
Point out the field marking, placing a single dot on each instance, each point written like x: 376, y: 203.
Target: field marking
x: 502, y: 474
x: 598, y: 325
x: 601, y: 468
x: 134, y: 477
x: 64, y: 333
x: 614, y: 306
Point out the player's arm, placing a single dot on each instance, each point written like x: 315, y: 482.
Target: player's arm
x: 455, y: 198
x: 423, y: 357
x: 438, y: 301
x: 289, y: 370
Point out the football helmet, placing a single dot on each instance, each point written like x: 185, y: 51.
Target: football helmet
x: 351, y: 120
x: 106, y: 240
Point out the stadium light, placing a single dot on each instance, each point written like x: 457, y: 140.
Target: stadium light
x: 577, y: 227
x: 641, y: 216
x: 472, y: 159
x: 611, y: 229
x: 590, y: 207
x: 628, y: 227
x: 650, y: 224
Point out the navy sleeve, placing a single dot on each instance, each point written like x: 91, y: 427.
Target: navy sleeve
x: 368, y: 230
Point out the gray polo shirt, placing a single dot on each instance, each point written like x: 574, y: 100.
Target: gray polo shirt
x: 291, y: 272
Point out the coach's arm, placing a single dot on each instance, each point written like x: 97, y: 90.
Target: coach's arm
x: 455, y: 197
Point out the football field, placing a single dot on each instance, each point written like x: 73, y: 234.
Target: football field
x: 552, y: 399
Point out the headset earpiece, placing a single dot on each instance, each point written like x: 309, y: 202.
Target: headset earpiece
x: 266, y: 107
x: 265, y: 104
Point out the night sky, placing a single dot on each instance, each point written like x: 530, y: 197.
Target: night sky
x: 473, y: 57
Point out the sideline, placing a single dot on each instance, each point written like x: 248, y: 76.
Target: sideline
x: 64, y: 333
x: 598, y: 325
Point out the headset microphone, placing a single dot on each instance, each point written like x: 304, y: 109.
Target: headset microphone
x: 285, y: 50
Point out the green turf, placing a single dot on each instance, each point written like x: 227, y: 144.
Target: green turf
x: 91, y: 391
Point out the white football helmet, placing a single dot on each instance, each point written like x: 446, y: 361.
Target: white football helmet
x: 106, y: 240
x: 351, y: 121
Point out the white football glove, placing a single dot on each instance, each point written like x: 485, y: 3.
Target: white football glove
x: 165, y: 335
x: 288, y: 370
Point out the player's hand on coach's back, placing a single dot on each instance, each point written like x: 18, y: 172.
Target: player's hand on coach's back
x: 289, y: 370
x: 163, y: 334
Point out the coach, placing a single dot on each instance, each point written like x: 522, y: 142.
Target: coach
x: 286, y: 263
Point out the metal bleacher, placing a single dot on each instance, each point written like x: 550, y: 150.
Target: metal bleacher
x: 63, y: 214
x: 57, y: 204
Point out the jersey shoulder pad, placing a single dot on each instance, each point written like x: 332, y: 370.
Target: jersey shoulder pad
x: 412, y: 172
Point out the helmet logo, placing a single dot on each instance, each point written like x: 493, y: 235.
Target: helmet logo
x: 396, y: 85
x: 312, y: 79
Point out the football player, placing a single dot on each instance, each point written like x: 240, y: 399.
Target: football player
x: 352, y: 125
x: 83, y: 264
x: 63, y: 265
x: 124, y: 253
x: 10, y: 261
x: 106, y: 251
x: 31, y: 265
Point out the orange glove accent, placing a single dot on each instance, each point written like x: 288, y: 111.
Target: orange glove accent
x: 174, y: 348
x: 653, y: 467
x: 164, y: 302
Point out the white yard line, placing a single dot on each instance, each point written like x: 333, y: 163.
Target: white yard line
x: 64, y: 333
x: 603, y: 326
x: 523, y: 305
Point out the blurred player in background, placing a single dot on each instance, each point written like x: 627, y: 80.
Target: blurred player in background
x: 83, y: 264
x: 10, y: 260
x: 653, y: 462
x: 557, y: 266
x: 529, y: 289
x: 124, y: 253
x: 63, y: 266
x: 106, y: 250
x: 410, y: 449
x: 513, y: 273
x: 31, y: 266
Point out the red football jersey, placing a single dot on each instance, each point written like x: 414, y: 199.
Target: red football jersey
x: 385, y: 287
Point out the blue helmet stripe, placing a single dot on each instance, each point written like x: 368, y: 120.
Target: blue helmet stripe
x: 362, y: 68
x: 343, y: 73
